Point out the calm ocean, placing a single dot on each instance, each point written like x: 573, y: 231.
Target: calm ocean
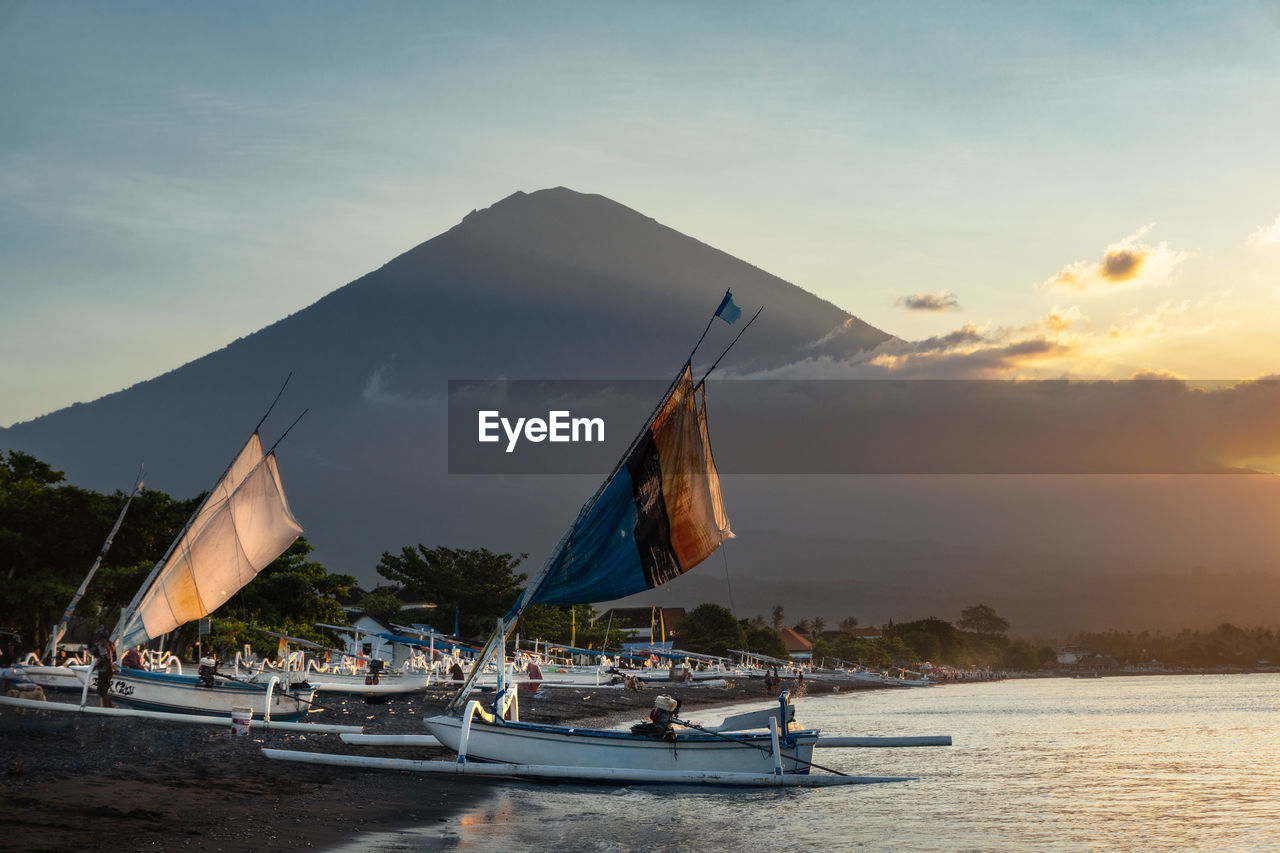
x: 1139, y: 763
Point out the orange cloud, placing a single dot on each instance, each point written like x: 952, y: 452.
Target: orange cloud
x: 1126, y: 262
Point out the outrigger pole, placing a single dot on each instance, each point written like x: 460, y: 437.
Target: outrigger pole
x: 60, y: 628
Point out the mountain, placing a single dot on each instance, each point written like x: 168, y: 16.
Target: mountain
x: 553, y: 284
x: 556, y: 284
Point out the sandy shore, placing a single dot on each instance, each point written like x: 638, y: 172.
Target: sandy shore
x: 77, y: 782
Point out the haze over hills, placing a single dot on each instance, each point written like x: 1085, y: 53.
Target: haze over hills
x: 560, y: 285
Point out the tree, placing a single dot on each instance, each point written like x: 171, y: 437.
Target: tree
x: 709, y: 629
x: 819, y: 624
x: 803, y: 628
x: 981, y: 619
x: 382, y: 604
x: 50, y: 534
x: 848, y: 623
x: 762, y: 639
x: 564, y: 624
x: 482, y: 585
x: 776, y: 621
x: 289, y: 596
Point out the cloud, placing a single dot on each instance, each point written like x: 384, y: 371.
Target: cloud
x: 943, y: 300
x: 1059, y: 320
x: 1127, y: 262
x: 1266, y: 235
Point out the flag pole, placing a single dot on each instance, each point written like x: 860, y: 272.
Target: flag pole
x: 727, y: 295
x: 729, y: 347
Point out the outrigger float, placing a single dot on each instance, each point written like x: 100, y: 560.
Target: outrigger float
x: 656, y: 516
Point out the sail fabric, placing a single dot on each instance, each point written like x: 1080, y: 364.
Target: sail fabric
x: 244, y: 525
x: 657, y: 517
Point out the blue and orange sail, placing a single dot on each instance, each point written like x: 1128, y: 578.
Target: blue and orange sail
x: 657, y: 516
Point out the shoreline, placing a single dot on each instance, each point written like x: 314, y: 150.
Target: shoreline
x: 80, y: 782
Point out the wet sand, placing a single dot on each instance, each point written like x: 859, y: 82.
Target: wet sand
x: 79, y: 782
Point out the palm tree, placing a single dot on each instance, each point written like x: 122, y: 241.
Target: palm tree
x: 818, y: 624
x: 776, y: 621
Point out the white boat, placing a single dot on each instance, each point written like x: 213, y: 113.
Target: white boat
x: 55, y: 677
x: 241, y: 527
x: 656, y: 516
x: 659, y: 514
x: 359, y: 684
x: 777, y: 748
x: 189, y: 694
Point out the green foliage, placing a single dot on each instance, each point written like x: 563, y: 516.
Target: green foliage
x: 50, y: 535
x: 709, y: 629
x: 382, y: 604
x: 775, y: 620
x: 1225, y: 646
x: 857, y: 650
x: 981, y: 619
x: 932, y: 639
x: 763, y: 640
x: 293, y: 590
x: 564, y: 625
x: 482, y: 585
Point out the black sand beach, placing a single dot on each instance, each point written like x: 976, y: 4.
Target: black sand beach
x: 81, y: 782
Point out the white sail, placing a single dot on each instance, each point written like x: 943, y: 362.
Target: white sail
x: 243, y: 525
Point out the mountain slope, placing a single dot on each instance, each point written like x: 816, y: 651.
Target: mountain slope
x: 551, y: 284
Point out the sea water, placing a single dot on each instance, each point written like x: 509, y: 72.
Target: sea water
x: 1188, y: 762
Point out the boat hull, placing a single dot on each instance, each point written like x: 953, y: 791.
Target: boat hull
x: 393, y: 685
x: 184, y: 694
x: 535, y: 743
x: 56, y: 677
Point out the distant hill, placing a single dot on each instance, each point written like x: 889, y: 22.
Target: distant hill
x: 553, y: 284
x: 556, y: 284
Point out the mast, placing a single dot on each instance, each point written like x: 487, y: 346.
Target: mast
x: 688, y: 391
x: 127, y: 614
x: 61, y: 627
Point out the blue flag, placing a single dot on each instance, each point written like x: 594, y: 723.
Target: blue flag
x: 727, y: 310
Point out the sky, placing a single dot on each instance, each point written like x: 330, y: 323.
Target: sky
x: 1032, y: 190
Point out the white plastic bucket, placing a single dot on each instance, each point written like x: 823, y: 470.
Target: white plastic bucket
x: 240, y: 719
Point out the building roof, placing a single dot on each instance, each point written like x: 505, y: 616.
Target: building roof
x: 640, y: 617
x: 794, y: 642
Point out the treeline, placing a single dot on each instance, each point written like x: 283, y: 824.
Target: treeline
x: 51, y: 532
x: 1224, y: 646
x: 979, y: 639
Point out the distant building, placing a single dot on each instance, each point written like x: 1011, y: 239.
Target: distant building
x: 641, y: 624
x: 409, y: 600
x: 798, y: 647
x: 1070, y: 656
x: 863, y: 633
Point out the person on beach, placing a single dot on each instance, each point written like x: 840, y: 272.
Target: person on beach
x: 133, y: 658
x: 104, y: 658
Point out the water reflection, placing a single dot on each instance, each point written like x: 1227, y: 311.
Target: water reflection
x: 1143, y: 763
